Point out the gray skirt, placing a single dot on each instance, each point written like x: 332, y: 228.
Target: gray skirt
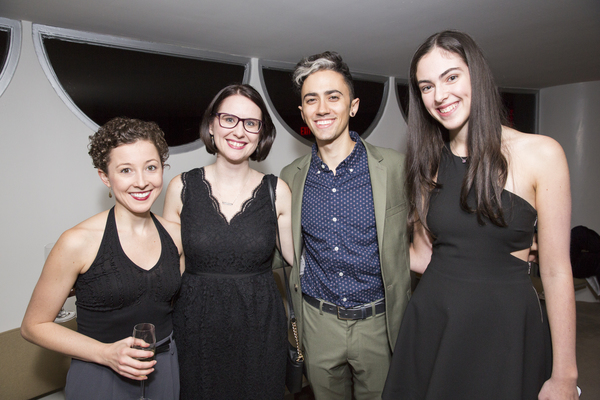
x: 91, y: 381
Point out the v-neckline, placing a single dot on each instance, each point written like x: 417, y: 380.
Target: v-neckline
x: 122, y: 251
x: 217, y: 205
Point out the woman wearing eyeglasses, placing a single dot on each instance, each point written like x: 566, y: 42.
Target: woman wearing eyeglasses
x: 229, y: 320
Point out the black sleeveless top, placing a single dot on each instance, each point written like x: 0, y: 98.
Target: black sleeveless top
x: 474, y: 327
x: 461, y: 245
x: 114, y: 294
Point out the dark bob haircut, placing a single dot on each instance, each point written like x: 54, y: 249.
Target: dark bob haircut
x: 267, y: 133
x: 121, y: 130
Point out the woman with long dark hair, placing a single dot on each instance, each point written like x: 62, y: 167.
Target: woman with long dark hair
x: 477, y: 189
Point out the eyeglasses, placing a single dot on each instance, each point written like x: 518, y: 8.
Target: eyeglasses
x: 230, y: 121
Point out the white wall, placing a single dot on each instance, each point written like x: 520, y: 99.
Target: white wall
x: 49, y: 184
x: 570, y: 115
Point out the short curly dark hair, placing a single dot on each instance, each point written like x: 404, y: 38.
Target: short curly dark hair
x: 122, y: 130
x: 267, y: 133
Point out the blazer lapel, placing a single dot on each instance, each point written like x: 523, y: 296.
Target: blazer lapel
x: 297, y: 188
x: 378, y: 174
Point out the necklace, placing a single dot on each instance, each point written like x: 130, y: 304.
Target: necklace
x: 226, y: 203
x: 463, y: 159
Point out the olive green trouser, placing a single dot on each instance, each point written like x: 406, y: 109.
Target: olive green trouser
x: 345, y: 357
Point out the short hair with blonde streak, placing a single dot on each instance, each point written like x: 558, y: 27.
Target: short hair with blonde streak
x: 329, y: 60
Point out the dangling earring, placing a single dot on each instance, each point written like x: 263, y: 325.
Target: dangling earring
x: 212, y: 139
x: 109, y: 194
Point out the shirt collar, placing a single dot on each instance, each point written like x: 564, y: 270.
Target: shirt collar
x: 349, y: 162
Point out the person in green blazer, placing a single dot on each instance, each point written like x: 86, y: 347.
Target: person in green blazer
x: 350, y: 281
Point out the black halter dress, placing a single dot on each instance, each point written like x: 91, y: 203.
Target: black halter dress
x: 474, y: 328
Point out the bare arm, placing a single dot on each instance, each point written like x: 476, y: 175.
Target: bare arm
x: 283, y: 204
x: 420, y: 249
x: 173, y: 203
x: 553, y: 202
x: 67, y: 259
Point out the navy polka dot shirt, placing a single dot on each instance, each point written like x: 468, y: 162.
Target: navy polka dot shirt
x: 340, y: 236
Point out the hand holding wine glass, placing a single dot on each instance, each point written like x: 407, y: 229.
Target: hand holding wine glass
x: 144, y: 339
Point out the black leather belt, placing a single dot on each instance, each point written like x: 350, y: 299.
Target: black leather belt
x: 359, y: 312
x: 164, y: 345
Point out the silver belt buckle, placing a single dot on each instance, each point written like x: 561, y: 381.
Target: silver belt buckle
x: 338, y: 314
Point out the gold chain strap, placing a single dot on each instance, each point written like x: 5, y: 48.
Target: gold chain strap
x: 295, y: 330
x: 287, y: 286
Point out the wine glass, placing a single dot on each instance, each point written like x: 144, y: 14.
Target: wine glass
x: 146, y: 333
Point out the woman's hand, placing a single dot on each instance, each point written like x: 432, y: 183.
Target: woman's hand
x: 420, y: 249
x: 559, y: 389
x: 533, y: 252
x: 123, y: 359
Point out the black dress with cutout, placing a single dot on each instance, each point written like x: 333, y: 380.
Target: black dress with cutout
x: 474, y: 328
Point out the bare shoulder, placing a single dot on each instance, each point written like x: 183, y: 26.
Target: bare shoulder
x: 173, y: 201
x: 81, y: 243
x: 176, y: 184
x: 538, y: 147
x: 283, y: 198
x: 282, y: 188
x: 536, y: 163
x: 88, y: 230
x: 170, y: 226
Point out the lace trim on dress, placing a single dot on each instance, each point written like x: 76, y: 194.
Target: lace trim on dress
x: 215, y: 202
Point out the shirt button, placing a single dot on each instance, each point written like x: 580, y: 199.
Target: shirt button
x: 344, y: 299
x: 334, y: 190
x: 341, y: 274
x: 336, y: 248
x: 323, y: 166
x: 318, y: 172
x: 351, y: 169
x: 334, y: 219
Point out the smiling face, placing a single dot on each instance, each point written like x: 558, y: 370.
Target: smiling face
x: 236, y: 144
x: 445, y: 85
x: 327, y: 105
x: 135, y: 175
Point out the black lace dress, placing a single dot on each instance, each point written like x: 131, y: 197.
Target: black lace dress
x: 229, y: 320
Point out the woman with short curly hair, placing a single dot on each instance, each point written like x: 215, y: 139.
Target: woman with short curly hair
x: 124, y: 264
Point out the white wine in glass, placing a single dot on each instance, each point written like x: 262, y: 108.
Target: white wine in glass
x: 146, y: 333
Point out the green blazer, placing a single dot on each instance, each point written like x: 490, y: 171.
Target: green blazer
x: 386, y: 168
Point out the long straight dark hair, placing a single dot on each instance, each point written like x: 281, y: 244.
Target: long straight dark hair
x: 487, y: 169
